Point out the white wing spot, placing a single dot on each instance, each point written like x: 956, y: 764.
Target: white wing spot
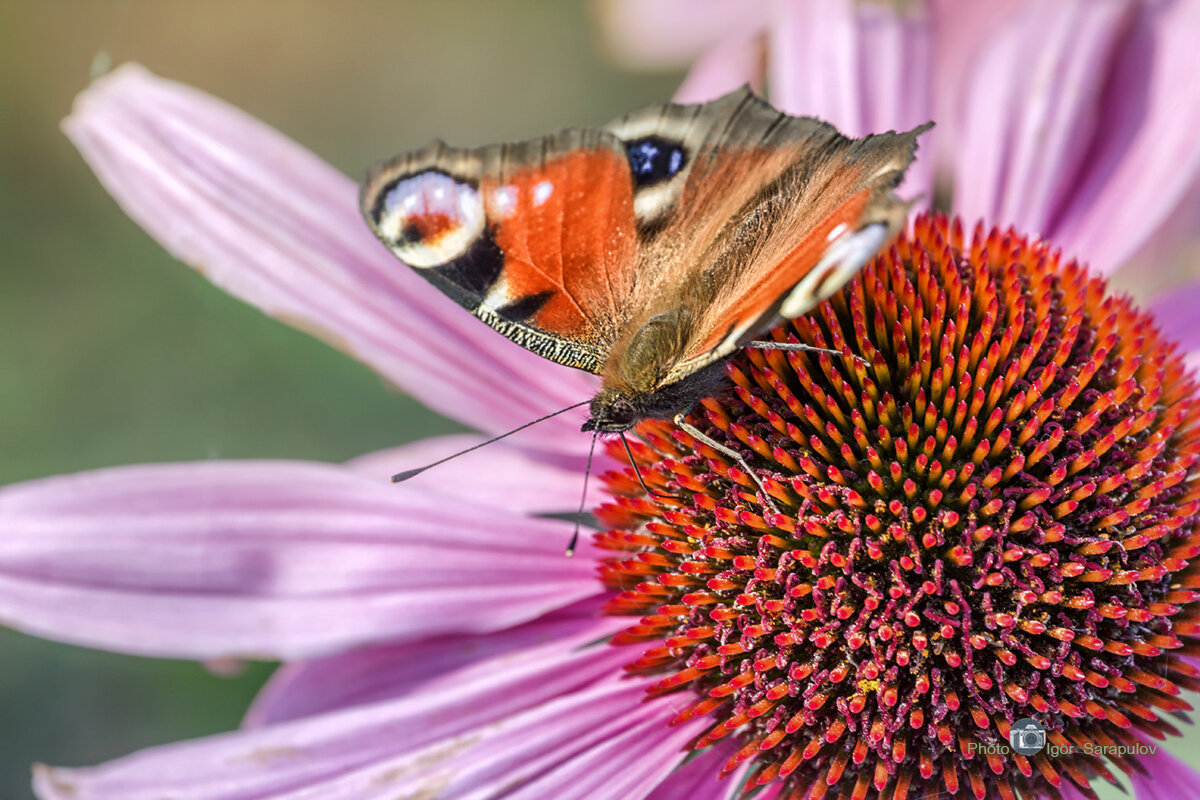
x: 504, y: 200
x: 841, y: 260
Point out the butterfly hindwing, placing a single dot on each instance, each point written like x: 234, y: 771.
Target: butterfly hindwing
x: 799, y: 242
x: 768, y: 215
x: 671, y: 146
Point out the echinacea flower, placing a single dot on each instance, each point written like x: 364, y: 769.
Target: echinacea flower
x: 992, y: 518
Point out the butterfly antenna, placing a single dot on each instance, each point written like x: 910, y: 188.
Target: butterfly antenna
x: 637, y: 472
x: 587, y: 472
x: 409, y: 473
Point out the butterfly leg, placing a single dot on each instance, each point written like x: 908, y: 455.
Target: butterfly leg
x: 638, y: 472
x: 696, y: 433
x: 800, y: 346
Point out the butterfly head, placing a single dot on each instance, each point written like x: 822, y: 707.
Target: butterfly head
x: 613, y: 412
x: 618, y: 408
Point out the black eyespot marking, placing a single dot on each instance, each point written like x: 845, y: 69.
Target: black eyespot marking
x: 411, y: 234
x: 653, y: 160
x: 474, y: 271
x: 524, y: 308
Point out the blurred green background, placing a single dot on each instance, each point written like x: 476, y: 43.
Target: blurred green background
x: 111, y: 352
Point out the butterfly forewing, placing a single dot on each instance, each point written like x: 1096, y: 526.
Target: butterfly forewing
x: 536, y: 238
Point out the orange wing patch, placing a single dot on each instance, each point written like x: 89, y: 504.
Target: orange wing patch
x: 431, y: 227
x: 567, y: 232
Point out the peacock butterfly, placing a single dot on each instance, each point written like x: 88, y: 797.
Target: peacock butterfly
x: 647, y: 251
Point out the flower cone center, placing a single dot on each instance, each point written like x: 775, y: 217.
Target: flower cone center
x: 990, y: 517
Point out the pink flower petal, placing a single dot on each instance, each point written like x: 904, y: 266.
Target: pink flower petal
x: 1079, y: 125
x: 1178, y: 316
x: 814, y: 66
x: 1170, y: 257
x: 268, y: 559
x: 618, y: 765
x: 1070, y: 791
x: 1032, y: 109
x: 504, y: 722
x: 1147, y: 160
x: 515, y: 480
x: 730, y: 64
x: 896, y: 59
x: 864, y: 68
x: 961, y: 31
x: 270, y: 223
x: 1192, y: 360
x: 653, y: 34
x: 1165, y: 778
x: 377, y: 674
x: 699, y: 778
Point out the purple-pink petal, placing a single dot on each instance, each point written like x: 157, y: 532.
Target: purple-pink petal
x: 500, y: 723
x: 960, y: 33
x: 863, y: 68
x: 814, y: 67
x: 620, y: 760
x: 1148, y: 160
x: 268, y: 559
x: 1078, y: 124
x: 700, y: 778
x: 1069, y: 791
x: 728, y: 65
x: 1164, y: 777
x: 1178, y: 315
x: 1032, y: 109
x: 387, y: 672
x: 273, y: 225
x: 672, y: 33
x: 497, y: 474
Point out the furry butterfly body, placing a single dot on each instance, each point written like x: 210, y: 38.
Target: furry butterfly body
x: 650, y: 250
